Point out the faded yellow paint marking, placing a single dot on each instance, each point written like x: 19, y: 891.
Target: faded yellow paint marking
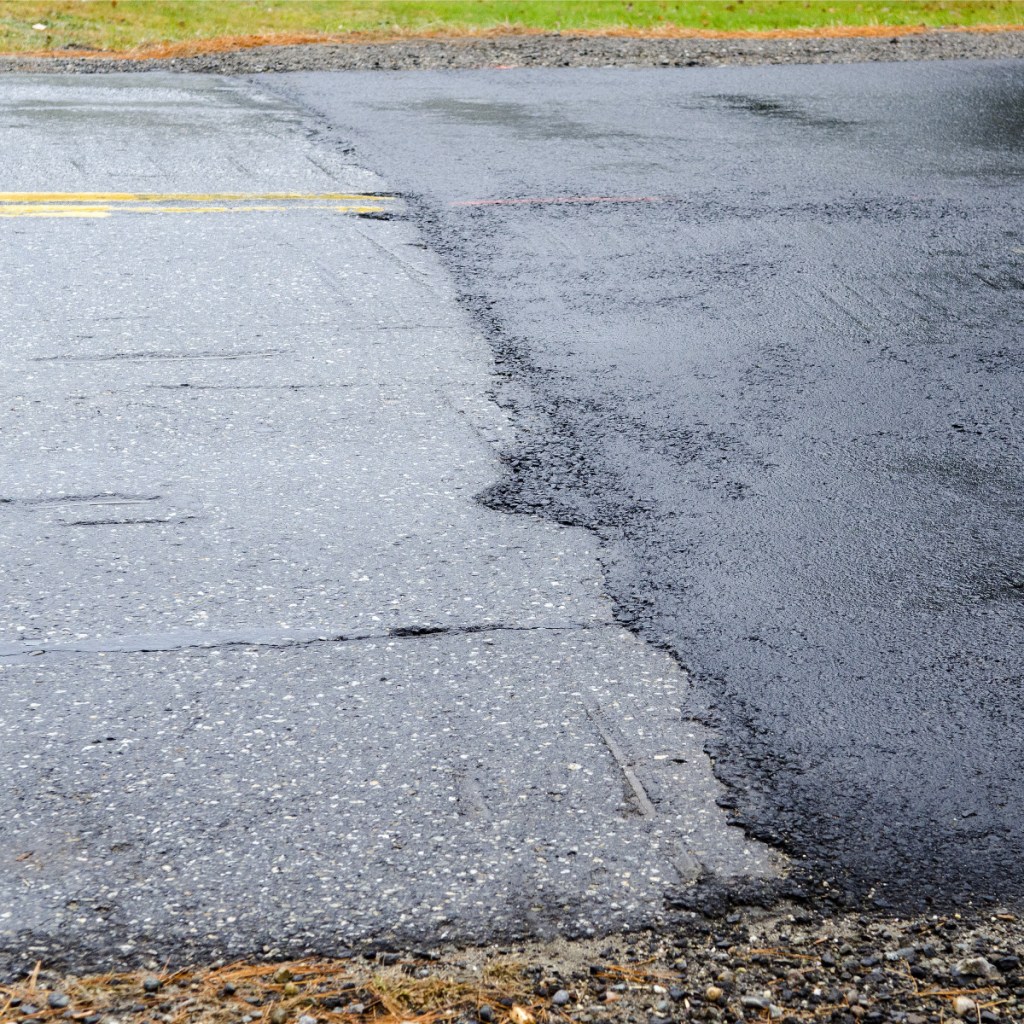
x: 54, y: 211
x: 254, y: 208
x: 102, y: 204
x: 189, y: 197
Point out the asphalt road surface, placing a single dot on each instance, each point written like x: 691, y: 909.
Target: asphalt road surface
x: 760, y: 331
x: 409, y: 480
x: 271, y: 678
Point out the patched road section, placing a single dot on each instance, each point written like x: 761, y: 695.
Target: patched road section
x: 784, y: 389
x: 270, y: 675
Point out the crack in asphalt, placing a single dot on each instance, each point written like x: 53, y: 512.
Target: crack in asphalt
x: 152, y: 643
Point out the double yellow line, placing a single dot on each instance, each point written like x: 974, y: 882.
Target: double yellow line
x: 103, y: 204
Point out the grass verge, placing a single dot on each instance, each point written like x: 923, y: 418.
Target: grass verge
x: 151, y: 28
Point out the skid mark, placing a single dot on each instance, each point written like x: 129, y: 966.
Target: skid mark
x: 641, y: 801
x: 261, y: 353
x: 187, y: 385
x: 471, y: 802
x: 687, y: 867
x: 412, y: 271
x: 153, y: 521
x: 541, y: 200
x: 48, y: 501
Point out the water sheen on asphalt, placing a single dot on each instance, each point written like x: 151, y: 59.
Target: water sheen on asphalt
x: 272, y: 679
x: 780, y: 378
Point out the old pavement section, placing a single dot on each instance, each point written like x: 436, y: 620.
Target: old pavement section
x: 270, y: 676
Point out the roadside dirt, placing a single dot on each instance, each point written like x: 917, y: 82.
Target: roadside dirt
x: 671, y: 48
x: 749, y: 965
x: 226, y: 44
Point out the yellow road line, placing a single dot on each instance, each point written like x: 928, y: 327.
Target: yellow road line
x: 46, y: 209
x: 54, y: 211
x: 237, y: 209
x: 189, y: 197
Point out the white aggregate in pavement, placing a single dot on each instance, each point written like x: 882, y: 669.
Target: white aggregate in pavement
x: 239, y: 460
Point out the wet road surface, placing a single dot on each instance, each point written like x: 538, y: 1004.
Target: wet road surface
x: 271, y: 678
x: 759, y: 330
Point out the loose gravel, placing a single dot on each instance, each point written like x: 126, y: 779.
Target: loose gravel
x: 555, y: 51
x: 750, y: 965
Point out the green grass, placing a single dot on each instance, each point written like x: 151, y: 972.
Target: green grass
x: 130, y: 24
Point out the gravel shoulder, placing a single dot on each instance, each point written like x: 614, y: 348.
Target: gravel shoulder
x: 788, y: 966
x: 555, y: 51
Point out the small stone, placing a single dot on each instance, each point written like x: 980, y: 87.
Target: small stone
x: 611, y: 997
x: 28, y: 1009
x: 775, y: 1012
x: 713, y: 993
x: 228, y: 990
x: 388, y: 959
x: 962, y: 1006
x: 676, y: 994
x: 151, y: 984
x: 560, y: 998
x: 989, y: 1017
x: 486, y: 1014
x: 306, y: 1019
x: 1008, y: 963
x: 754, y: 1003
x: 57, y: 1000
x: 355, y: 1008
x: 976, y: 967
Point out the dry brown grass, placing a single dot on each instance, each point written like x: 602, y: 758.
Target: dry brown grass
x: 411, y: 991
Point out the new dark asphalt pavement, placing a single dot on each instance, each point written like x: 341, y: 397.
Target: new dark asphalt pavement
x: 772, y: 359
